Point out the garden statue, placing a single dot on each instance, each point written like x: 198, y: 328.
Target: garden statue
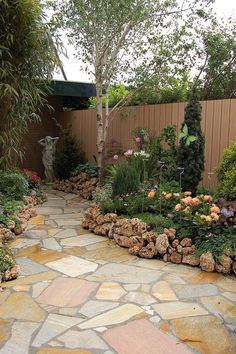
x: 49, y: 150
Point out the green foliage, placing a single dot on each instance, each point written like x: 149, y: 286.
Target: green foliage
x: 191, y: 157
x: 226, y: 174
x: 6, y: 260
x: 126, y: 179
x: 70, y: 156
x: 160, y: 154
x: 116, y: 94
x: 157, y: 222
x: 27, y: 61
x: 218, y: 242
x: 13, y: 185
x: 184, y: 135
x: 90, y: 168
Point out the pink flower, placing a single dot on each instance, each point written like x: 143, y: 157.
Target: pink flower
x: 138, y: 139
x: 128, y: 153
x: 115, y: 157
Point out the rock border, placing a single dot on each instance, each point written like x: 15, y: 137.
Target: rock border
x: 141, y: 241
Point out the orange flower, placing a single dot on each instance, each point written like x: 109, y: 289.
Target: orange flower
x: 215, y: 209
x: 208, y: 219
x: 178, y: 207
x: 215, y: 216
x: 195, y: 202
x: 186, y: 200
x: 151, y: 194
x: 207, y: 198
x: 187, y: 194
x: 168, y: 196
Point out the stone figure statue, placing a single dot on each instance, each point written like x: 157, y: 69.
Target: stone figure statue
x: 49, y: 150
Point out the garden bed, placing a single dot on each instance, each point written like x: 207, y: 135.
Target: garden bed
x: 142, y: 241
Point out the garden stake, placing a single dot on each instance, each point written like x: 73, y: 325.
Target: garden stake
x: 181, y: 169
x: 209, y: 175
x: 162, y: 166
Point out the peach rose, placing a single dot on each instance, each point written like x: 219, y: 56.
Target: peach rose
x: 207, y: 198
x: 215, y: 209
x: 208, y: 219
x: 187, y: 194
x: 215, y: 216
x: 186, y: 211
x: 178, y: 207
x: 151, y: 194
x: 186, y: 200
x: 195, y: 202
x: 168, y: 196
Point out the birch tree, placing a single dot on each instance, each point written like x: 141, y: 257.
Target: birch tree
x: 114, y: 37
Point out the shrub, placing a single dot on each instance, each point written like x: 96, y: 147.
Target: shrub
x: 226, y: 174
x: 126, y: 179
x: 6, y: 260
x: 190, y: 156
x: 13, y: 185
x: 157, y: 222
x: 90, y: 168
x: 69, y: 156
x: 32, y: 178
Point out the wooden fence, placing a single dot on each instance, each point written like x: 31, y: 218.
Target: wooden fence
x: 218, y: 124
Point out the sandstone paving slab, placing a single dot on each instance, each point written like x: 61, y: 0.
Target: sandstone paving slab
x: 66, y: 292
x: 5, y: 330
x: 131, y: 287
x: 46, y: 256
x: 55, y: 202
x: 186, y: 291
x: 68, y: 311
x: 98, y: 245
x: 21, y: 306
x: 206, y: 334
x: 80, y: 241
x: 73, y: 266
x: 110, y: 291
x: 82, y: 339
x: 93, y: 308
x: 20, y: 339
x: 230, y: 296
x: 227, y: 283
x: 221, y: 307
x: 50, y: 350
x: 75, y: 251
x: 53, y: 231
x: 72, y: 210
x: 72, y: 216
x: 38, y: 234
x: 205, y: 278
x: 21, y: 288
x: 107, y: 251
x: 48, y: 211
x: 38, y: 288
x: 181, y: 270
x: 125, y: 274
x: 29, y: 267
x: 4, y: 295
x: 23, y: 243
x: 173, y: 279
x: 51, y: 243
x: 37, y: 220
x: 70, y: 196
x: 53, y: 326
x: 28, y: 251
x: 150, y: 263
x: 178, y: 309
x: 115, y: 316
x: 31, y: 279
x: 66, y: 233
x: 163, y: 291
x: 68, y: 222
x: 139, y: 298
x: 144, y: 337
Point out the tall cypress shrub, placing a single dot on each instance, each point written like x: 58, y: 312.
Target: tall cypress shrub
x: 191, y: 156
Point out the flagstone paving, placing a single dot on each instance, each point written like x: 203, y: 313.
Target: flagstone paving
x: 81, y: 294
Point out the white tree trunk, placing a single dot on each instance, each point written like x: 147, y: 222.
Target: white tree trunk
x: 100, y: 129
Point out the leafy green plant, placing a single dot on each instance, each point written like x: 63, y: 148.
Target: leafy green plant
x: 157, y: 222
x: 226, y: 174
x: 69, y: 156
x: 6, y: 260
x: 217, y: 242
x: 13, y: 185
x: 126, y: 179
x: 90, y: 168
x: 191, y: 156
x: 184, y: 135
x: 28, y: 59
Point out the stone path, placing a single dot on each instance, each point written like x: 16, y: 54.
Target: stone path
x: 80, y: 293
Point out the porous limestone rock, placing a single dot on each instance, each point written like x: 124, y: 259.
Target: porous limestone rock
x: 207, y: 262
x: 149, y: 251
x: 224, y: 264
x: 186, y: 242
x: 191, y: 260
x: 162, y: 243
x: 176, y: 257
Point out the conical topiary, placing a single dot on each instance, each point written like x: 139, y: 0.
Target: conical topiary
x: 190, y: 154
